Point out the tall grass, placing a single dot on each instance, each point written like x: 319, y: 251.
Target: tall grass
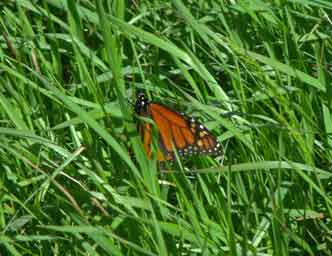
x: 74, y: 176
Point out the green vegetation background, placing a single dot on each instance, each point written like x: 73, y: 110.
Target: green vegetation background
x: 74, y: 179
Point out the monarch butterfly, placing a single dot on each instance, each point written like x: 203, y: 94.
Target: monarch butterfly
x: 176, y: 132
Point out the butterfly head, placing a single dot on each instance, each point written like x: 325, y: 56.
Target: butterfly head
x: 141, y: 105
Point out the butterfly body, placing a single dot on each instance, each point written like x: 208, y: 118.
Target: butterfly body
x: 176, y: 132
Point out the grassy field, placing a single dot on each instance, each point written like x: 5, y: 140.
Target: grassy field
x: 74, y: 177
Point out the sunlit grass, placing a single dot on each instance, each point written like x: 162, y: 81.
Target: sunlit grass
x: 75, y: 179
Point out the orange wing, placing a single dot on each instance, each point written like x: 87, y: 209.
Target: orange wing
x: 187, y: 136
x: 146, y: 133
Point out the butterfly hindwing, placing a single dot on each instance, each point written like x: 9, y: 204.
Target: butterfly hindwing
x: 146, y: 134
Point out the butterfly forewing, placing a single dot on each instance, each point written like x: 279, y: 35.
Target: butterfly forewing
x: 187, y: 135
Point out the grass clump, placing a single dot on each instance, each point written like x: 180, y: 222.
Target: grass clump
x: 75, y: 179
